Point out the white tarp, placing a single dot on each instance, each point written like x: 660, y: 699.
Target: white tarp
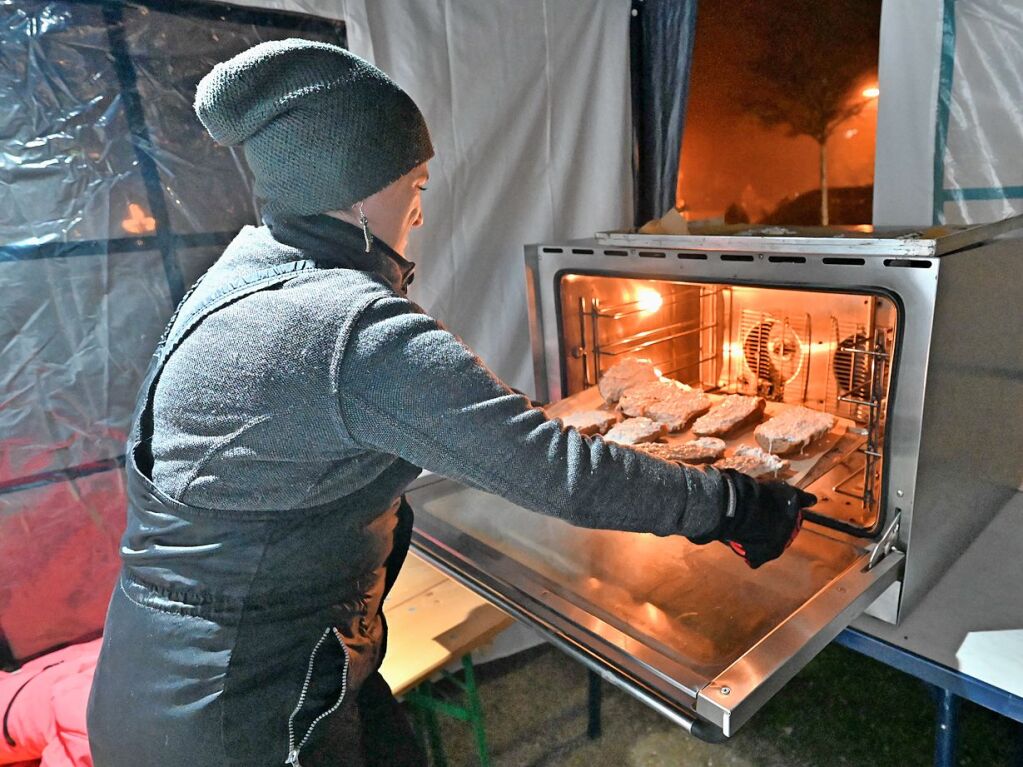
x: 950, y: 120
x: 528, y: 105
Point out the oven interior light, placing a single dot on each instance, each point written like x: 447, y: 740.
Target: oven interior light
x: 649, y: 300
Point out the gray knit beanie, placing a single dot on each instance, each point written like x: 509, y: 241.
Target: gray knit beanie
x: 321, y: 127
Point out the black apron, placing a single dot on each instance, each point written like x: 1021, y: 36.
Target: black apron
x: 246, y: 637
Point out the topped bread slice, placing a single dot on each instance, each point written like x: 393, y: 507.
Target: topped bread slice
x: 632, y: 431
x: 670, y: 402
x: 702, y: 450
x: 624, y: 374
x: 590, y: 421
x: 793, y: 430
x: 753, y: 461
x: 731, y: 413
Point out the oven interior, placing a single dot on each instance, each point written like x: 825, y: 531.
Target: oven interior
x: 823, y: 350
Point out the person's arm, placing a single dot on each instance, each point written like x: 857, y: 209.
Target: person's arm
x: 408, y: 387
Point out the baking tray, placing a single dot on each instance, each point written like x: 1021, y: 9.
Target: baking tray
x: 804, y: 468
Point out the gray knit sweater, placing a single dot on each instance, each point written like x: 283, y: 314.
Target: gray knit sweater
x: 293, y: 397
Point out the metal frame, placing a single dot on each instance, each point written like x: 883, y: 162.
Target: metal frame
x: 956, y: 682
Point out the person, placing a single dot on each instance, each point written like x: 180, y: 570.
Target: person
x: 296, y: 393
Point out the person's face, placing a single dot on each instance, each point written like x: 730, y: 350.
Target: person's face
x: 397, y: 208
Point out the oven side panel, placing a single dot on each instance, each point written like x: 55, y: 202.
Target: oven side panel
x: 534, y: 290
x: 971, y: 460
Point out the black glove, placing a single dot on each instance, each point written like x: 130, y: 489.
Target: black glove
x: 761, y: 519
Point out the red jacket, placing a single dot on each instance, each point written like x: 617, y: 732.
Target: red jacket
x: 43, y: 705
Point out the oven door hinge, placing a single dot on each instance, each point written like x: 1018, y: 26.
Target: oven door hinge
x: 887, y: 542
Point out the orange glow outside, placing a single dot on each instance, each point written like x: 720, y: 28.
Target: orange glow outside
x: 138, y: 222
x: 729, y: 158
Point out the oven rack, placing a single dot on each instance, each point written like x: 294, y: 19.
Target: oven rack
x: 858, y: 370
x: 597, y: 329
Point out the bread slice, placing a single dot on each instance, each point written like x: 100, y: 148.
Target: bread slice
x: 731, y: 414
x: 753, y: 461
x: 591, y: 421
x: 793, y: 430
x: 703, y: 450
x: 623, y: 374
x: 670, y: 402
x: 632, y: 431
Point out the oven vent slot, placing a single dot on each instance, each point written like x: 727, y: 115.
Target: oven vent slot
x: 651, y: 254
x: 735, y: 257
x: 583, y: 251
x: 553, y: 250
x: 692, y: 256
x: 913, y: 263
x: 616, y: 252
x: 786, y: 259
x: 835, y: 261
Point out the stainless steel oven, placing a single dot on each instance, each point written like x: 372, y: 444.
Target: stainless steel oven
x: 912, y: 341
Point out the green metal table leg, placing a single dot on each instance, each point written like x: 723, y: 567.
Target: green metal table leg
x: 425, y: 707
x: 475, y: 711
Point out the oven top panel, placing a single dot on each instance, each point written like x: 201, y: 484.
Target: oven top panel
x: 853, y: 240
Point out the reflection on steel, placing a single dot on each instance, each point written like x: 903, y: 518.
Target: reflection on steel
x: 755, y: 677
x: 668, y: 630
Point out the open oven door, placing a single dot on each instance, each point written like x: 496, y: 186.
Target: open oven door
x: 690, y: 630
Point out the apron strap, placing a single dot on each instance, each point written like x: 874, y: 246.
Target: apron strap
x: 176, y: 332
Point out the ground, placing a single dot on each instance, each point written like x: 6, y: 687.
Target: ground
x: 842, y: 709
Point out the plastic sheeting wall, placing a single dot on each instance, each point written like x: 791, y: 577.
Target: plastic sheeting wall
x: 950, y: 120
x: 106, y: 185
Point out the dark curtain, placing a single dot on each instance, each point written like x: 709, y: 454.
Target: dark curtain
x: 662, y: 46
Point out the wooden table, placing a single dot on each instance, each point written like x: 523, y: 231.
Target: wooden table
x: 432, y: 622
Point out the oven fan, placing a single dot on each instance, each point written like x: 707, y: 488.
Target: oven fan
x: 774, y: 356
x: 851, y: 369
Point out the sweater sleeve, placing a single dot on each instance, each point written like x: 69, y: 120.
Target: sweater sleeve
x: 410, y: 388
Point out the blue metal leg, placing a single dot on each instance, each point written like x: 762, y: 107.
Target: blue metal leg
x: 946, y: 735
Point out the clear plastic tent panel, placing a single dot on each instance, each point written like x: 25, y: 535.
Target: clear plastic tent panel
x: 980, y: 100
x: 113, y: 200
x: 77, y: 334
x: 68, y: 168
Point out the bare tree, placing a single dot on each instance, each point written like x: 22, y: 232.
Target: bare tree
x: 809, y: 60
